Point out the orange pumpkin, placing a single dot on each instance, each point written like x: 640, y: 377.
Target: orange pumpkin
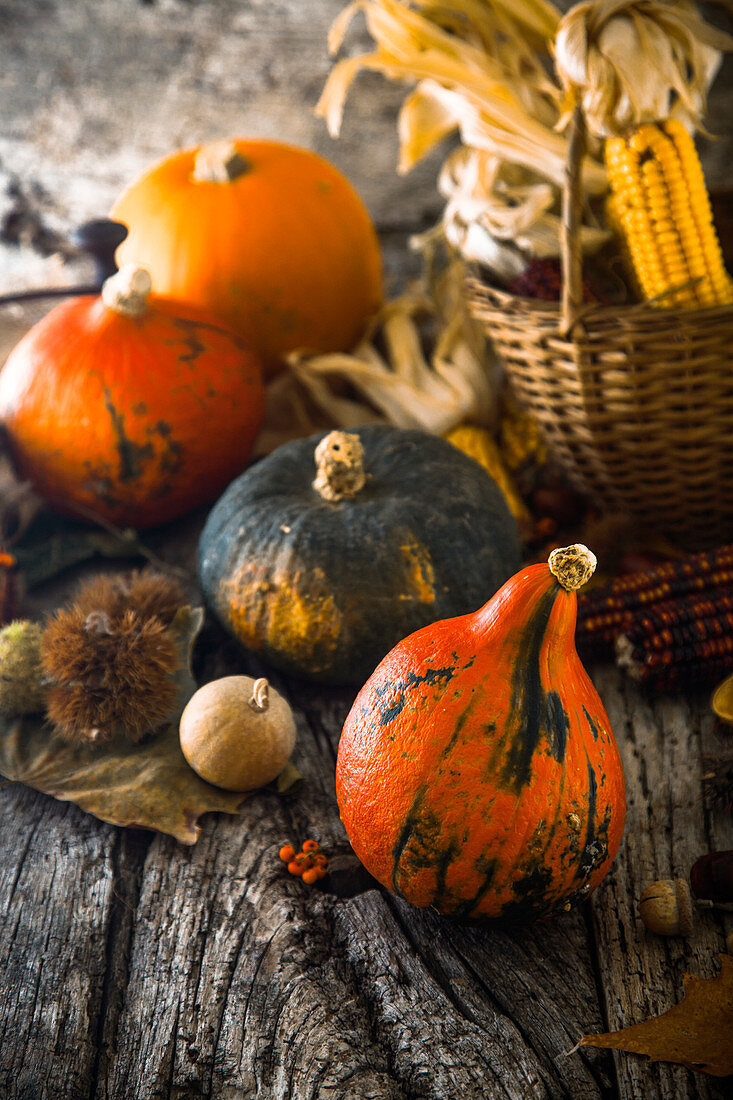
x: 477, y: 772
x: 269, y: 237
x: 130, y: 407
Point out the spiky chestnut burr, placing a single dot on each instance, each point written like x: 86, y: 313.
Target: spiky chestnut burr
x: 110, y: 660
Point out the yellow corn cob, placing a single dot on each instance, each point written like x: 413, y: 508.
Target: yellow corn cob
x: 477, y: 443
x: 698, y: 201
x: 520, y: 442
x: 661, y: 204
x: 615, y: 224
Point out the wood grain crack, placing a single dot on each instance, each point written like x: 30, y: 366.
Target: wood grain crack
x: 127, y: 859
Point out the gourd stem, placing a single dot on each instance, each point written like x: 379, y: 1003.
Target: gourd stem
x: 219, y: 162
x: 127, y: 292
x: 339, y: 466
x: 260, y: 694
x: 573, y: 566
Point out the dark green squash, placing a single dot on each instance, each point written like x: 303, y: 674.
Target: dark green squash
x: 323, y: 579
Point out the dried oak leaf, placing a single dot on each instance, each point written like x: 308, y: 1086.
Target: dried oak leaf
x: 697, y: 1032
x: 149, y: 785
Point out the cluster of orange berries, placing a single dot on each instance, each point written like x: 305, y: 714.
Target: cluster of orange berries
x: 310, y: 863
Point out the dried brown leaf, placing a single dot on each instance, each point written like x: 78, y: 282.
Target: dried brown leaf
x: 287, y: 778
x: 697, y: 1032
x: 149, y: 785
x: 60, y: 545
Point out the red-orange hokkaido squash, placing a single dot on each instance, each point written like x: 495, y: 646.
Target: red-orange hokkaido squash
x: 130, y: 407
x: 477, y: 772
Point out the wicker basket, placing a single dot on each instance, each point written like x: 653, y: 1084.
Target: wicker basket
x: 636, y: 402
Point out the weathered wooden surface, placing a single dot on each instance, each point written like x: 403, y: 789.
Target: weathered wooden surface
x: 131, y: 966
x: 668, y: 826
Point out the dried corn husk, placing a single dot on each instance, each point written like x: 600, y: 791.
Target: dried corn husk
x: 497, y: 212
x: 389, y: 376
x: 485, y: 57
x: 483, y: 71
x: 637, y: 61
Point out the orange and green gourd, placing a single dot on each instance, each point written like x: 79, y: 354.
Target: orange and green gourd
x: 477, y: 772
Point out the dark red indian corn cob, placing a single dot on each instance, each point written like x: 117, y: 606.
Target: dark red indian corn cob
x: 542, y: 278
x: 678, y: 669
x: 682, y: 623
x: 609, y: 610
x: 679, y: 643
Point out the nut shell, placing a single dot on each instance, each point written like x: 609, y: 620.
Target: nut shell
x: 231, y: 743
x: 666, y: 907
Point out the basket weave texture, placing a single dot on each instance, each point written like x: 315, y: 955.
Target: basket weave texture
x: 636, y: 402
x: 637, y: 405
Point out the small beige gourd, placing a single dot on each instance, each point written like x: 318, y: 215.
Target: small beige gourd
x: 237, y: 733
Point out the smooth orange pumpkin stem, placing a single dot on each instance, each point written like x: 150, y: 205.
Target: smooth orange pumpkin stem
x: 339, y: 466
x: 127, y: 292
x: 573, y: 566
x: 219, y: 162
